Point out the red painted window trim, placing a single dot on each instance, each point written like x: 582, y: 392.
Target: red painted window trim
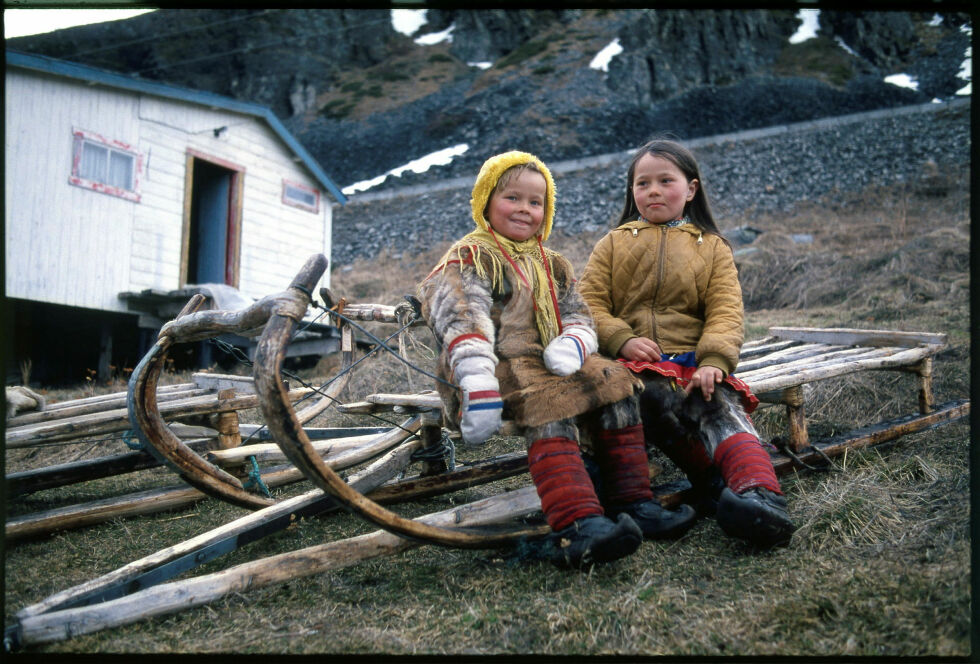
x: 294, y: 203
x: 79, y: 136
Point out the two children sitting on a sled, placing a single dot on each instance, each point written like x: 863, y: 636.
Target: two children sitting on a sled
x: 518, y: 337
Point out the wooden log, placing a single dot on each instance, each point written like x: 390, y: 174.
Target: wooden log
x: 379, y: 313
x: 798, y: 377
x: 270, y: 452
x: 799, y: 437
x: 49, y: 477
x: 770, y: 346
x: 856, y: 337
x: 226, y: 422
x: 812, y: 352
x: 173, y: 497
x: 755, y: 343
x: 841, y: 357
x: 462, y: 477
x: 875, y: 434
x: 181, y: 595
x: 359, y: 408
x: 115, y: 395
x: 68, y: 410
x: 367, y: 480
x: 431, y: 435
x: 117, y: 420
x: 421, y: 400
x: 217, y: 382
x: 924, y: 370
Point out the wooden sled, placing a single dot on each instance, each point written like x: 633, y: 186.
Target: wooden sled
x: 777, y: 368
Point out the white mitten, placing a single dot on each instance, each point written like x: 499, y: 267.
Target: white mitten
x: 481, y: 406
x: 567, y: 352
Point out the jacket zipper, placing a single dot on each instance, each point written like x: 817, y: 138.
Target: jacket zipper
x: 660, y: 278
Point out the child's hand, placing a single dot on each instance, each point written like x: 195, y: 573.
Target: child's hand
x: 640, y: 349
x: 706, y: 378
x: 567, y: 352
x: 481, y: 407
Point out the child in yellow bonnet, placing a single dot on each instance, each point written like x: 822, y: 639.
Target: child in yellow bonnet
x: 517, y: 338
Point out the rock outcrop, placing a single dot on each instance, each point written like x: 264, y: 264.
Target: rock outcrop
x: 365, y: 98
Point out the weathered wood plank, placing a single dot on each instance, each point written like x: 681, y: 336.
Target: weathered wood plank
x: 836, y: 357
x: 798, y: 377
x: 856, y: 337
x: 218, y: 382
x: 49, y: 477
x: 359, y: 408
x: 185, y: 594
x: 267, y: 452
x: 421, y: 400
x: 754, y: 343
x: 788, y: 355
x: 68, y: 409
x: 118, y: 419
x: 379, y: 313
x: 365, y: 481
x: 762, y: 349
x: 115, y: 395
x: 168, y: 498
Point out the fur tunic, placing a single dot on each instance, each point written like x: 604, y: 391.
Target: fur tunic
x: 469, y: 319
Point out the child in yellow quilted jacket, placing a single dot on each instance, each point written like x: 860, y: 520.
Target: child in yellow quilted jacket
x: 517, y: 339
x: 664, y: 292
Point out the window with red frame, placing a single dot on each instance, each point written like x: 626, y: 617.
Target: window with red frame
x: 301, y: 196
x: 103, y: 165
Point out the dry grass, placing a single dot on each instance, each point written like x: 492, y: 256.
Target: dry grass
x: 880, y: 565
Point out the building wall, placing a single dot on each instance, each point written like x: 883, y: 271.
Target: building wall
x: 70, y: 245
x: 64, y: 244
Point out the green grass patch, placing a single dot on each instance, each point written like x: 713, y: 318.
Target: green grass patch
x: 527, y: 50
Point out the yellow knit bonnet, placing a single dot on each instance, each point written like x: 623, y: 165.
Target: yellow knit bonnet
x: 490, y: 174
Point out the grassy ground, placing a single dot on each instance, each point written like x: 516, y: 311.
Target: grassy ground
x: 880, y: 564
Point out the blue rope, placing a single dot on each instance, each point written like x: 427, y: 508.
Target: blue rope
x: 132, y: 442
x: 255, y: 479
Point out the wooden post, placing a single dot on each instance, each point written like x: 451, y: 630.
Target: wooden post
x: 431, y: 435
x: 226, y: 422
x: 924, y: 370
x: 796, y: 418
x: 104, y: 373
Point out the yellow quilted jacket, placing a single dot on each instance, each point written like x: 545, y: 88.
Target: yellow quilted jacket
x: 676, y: 286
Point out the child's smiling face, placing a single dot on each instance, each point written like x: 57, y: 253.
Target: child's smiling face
x: 516, y: 210
x: 660, y: 189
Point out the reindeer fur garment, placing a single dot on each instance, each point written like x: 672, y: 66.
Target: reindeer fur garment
x: 456, y: 301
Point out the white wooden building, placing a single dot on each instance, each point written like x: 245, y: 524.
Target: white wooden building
x: 120, y: 185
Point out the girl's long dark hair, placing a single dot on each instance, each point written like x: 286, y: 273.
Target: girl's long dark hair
x: 698, y: 210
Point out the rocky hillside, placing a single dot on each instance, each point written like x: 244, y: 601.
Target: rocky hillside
x: 365, y: 98
x: 772, y: 173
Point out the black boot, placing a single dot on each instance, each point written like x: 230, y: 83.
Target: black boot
x: 656, y: 521
x: 705, y: 491
x: 593, y: 540
x: 756, y: 514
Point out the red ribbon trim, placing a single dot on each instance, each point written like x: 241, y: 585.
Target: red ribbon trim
x: 683, y: 376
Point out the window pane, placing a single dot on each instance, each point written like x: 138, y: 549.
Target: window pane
x: 307, y: 198
x: 92, y: 165
x: 120, y: 170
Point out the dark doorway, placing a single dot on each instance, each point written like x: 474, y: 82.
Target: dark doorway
x: 211, y: 246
